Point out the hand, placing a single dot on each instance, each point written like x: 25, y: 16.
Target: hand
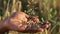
x: 18, y: 22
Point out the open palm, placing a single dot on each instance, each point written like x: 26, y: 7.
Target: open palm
x: 18, y: 22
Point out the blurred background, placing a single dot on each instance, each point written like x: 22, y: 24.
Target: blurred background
x: 44, y: 9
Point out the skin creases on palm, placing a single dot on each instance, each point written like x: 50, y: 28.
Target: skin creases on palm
x: 21, y: 26
x: 20, y: 16
x: 18, y: 22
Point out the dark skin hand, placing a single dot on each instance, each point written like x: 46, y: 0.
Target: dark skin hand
x: 18, y: 22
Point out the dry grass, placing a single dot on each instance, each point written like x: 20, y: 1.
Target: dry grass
x: 45, y: 9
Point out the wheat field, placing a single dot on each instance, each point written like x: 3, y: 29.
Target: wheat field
x: 44, y: 9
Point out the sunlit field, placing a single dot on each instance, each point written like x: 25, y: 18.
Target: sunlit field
x: 44, y: 9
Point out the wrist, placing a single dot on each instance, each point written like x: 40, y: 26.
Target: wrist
x: 2, y: 28
x: 1, y: 25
